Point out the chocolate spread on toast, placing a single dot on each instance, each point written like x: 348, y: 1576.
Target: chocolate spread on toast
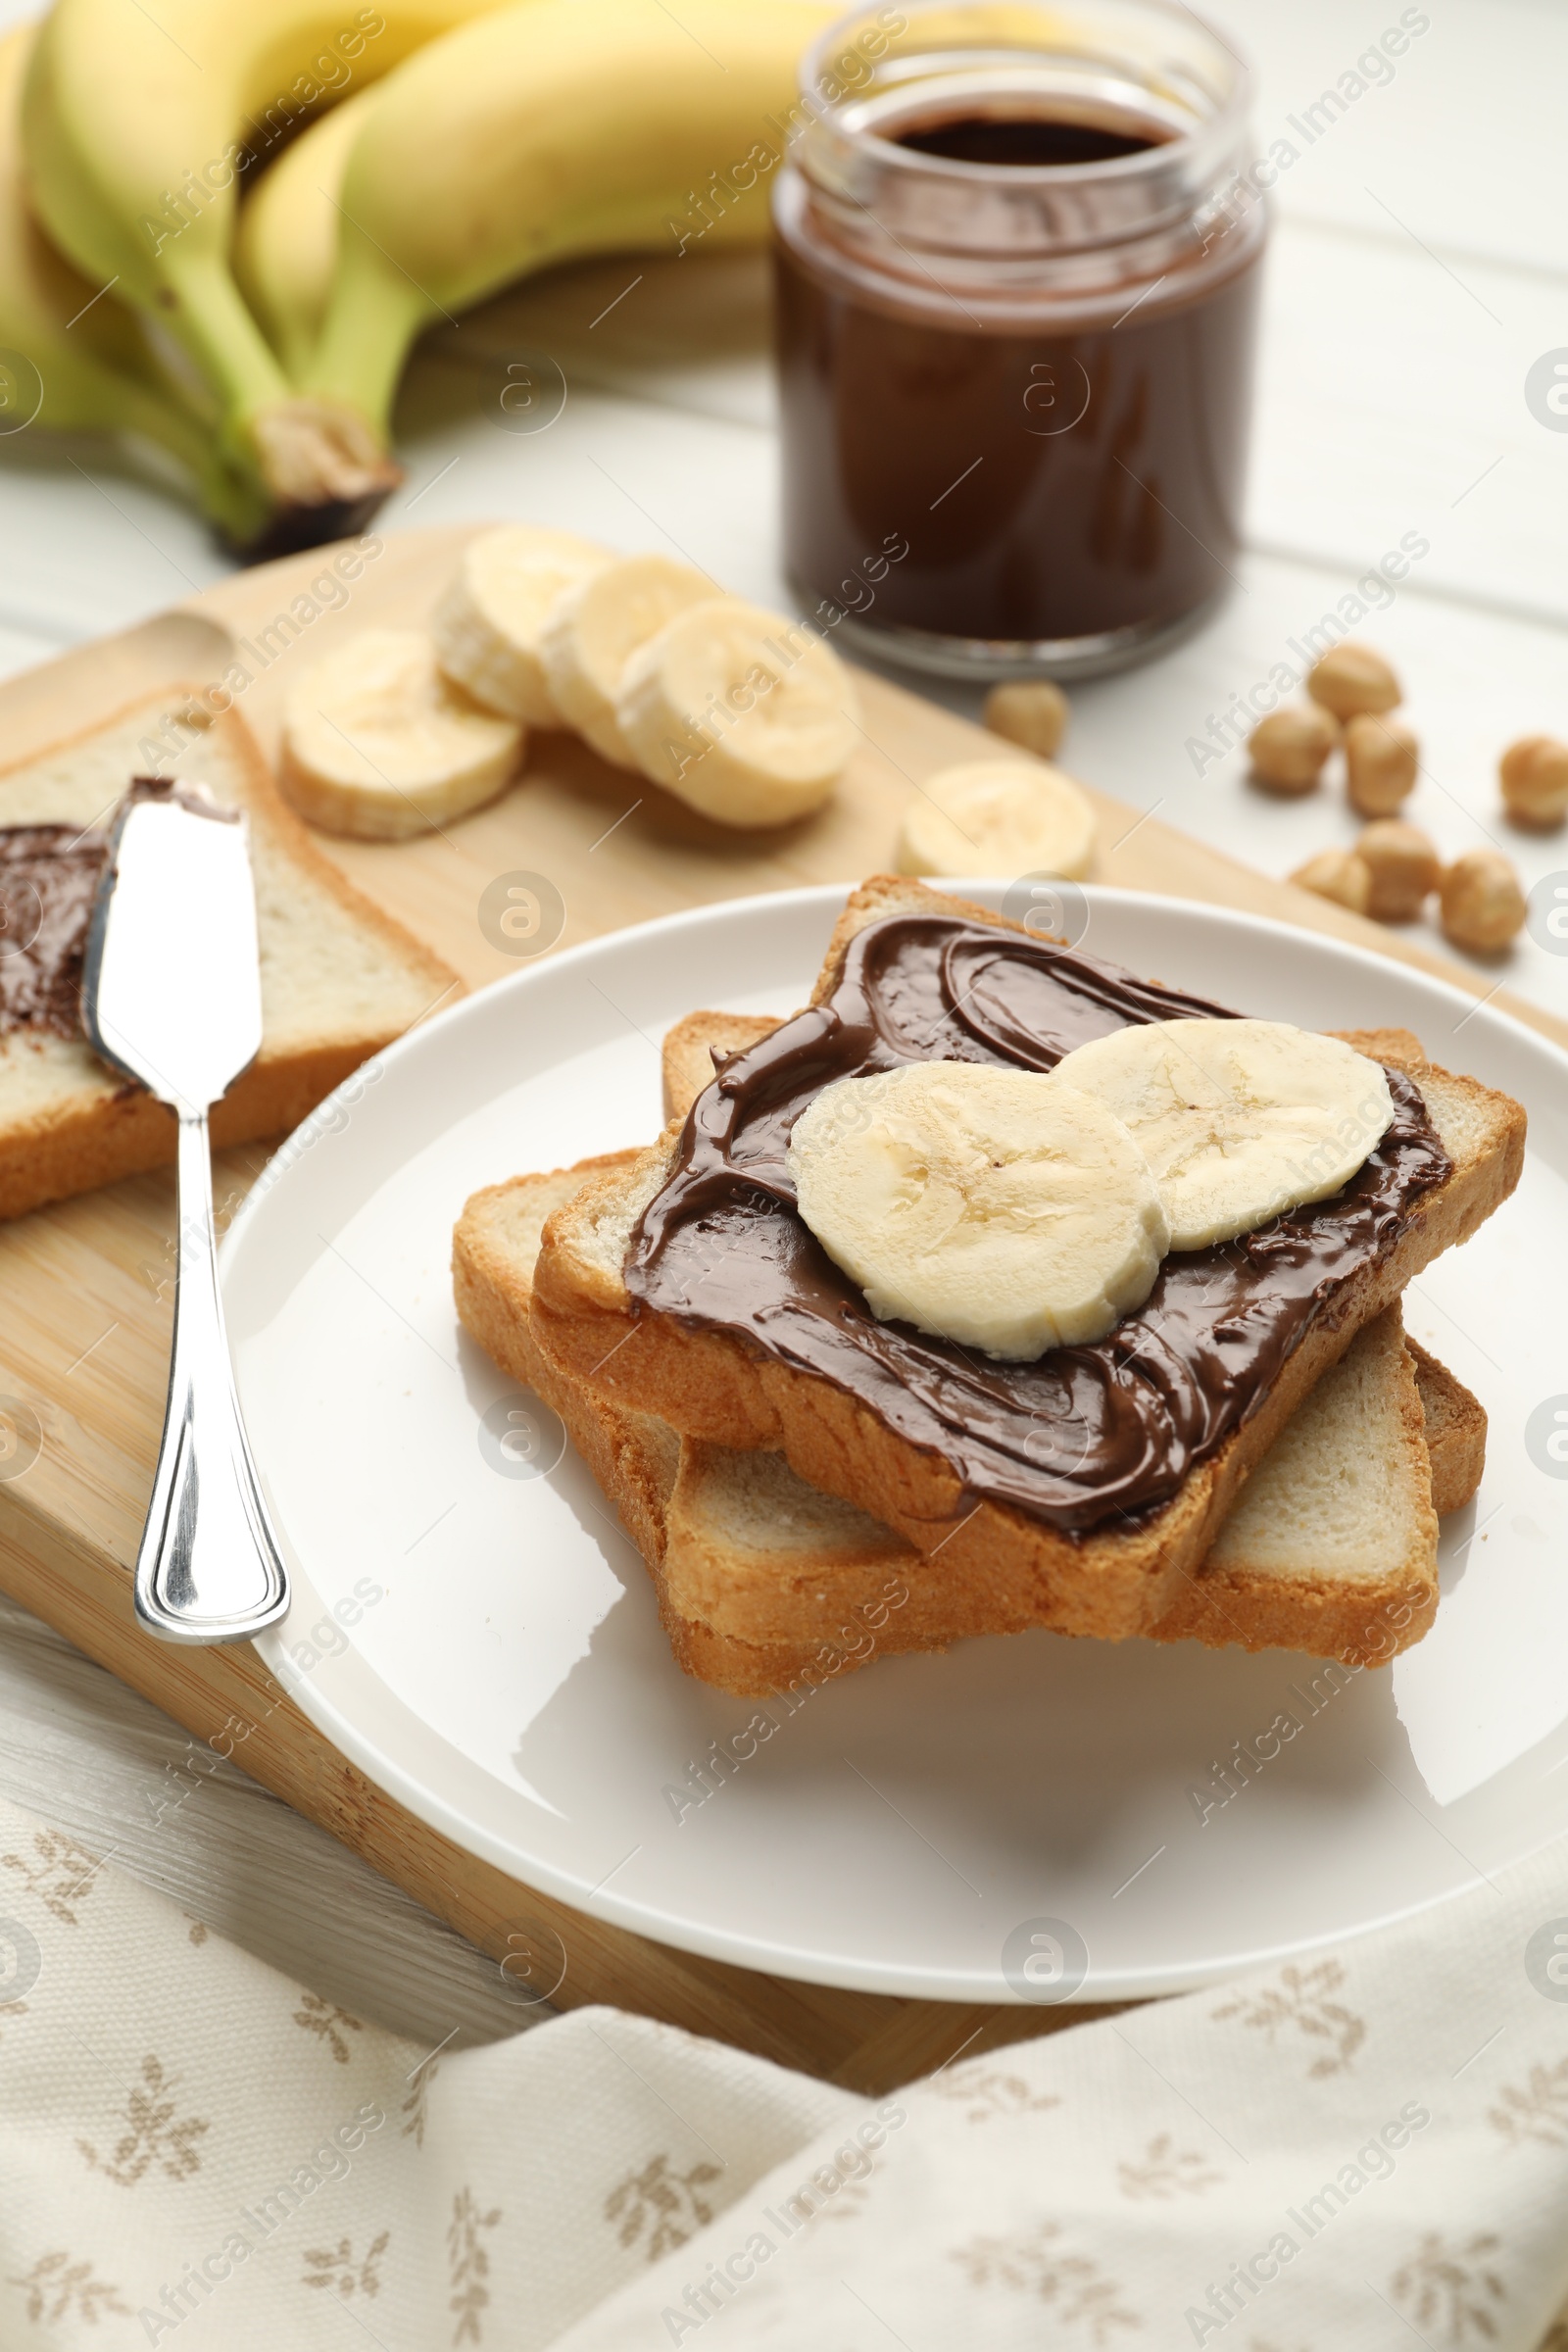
x: 1083, y: 1434
x: 49, y: 877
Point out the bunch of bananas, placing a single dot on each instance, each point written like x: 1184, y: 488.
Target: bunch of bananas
x: 254, y: 322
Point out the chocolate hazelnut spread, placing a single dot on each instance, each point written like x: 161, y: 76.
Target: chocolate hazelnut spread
x: 1072, y: 484
x: 1022, y: 141
x: 1084, y: 1434
x: 48, y: 875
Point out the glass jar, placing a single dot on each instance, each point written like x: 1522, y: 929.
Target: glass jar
x: 1018, y: 258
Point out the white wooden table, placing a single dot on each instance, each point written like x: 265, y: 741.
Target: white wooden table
x: 1419, y: 268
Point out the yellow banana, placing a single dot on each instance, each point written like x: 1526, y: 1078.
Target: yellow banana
x: 542, y: 131
x: 136, y: 122
x: 285, y: 241
x: 74, y: 363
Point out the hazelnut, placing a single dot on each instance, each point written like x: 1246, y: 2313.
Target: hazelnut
x: 1404, y: 867
x: 1289, y: 748
x: 1534, y: 775
x: 1338, y: 874
x: 1030, y: 711
x: 1482, y: 904
x: 1381, y: 761
x: 1352, y: 679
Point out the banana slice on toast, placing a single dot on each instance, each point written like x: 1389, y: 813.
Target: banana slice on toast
x: 1239, y: 1120
x: 995, y: 1207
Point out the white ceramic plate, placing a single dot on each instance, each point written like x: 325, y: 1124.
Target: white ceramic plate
x: 510, y: 1684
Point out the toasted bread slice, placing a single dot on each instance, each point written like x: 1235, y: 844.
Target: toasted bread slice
x: 1002, y: 1570
x: 1455, y: 1424
x: 339, y: 979
x: 761, y: 1579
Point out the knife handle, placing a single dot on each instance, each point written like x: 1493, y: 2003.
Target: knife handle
x: 209, y: 1568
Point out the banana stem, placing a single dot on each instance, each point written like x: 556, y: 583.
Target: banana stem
x: 205, y: 313
x: 375, y: 314
x: 138, y: 409
x: 293, y: 469
x: 235, y: 503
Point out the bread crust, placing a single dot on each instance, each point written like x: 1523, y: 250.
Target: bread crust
x: 108, y: 1129
x: 633, y: 1459
x: 1364, y: 1620
x: 1003, y: 1571
x: 1455, y: 1425
x: 104, y: 1137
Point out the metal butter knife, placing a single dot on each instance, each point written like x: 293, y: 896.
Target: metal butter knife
x: 171, y: 996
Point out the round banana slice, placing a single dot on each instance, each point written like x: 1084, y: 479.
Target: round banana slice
x: 999, y: 816
x: 995, y: 1207
x: 595, y: 629
x: 488, y: 624
x: 1239, y: 1120
x: 377, y: 743
x: 743, y: 714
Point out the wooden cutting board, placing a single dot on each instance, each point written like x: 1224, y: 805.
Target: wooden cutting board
x: 87, y: 1287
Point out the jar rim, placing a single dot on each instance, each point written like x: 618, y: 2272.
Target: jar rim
x: 1211, y: 132
x: 1148, y: 65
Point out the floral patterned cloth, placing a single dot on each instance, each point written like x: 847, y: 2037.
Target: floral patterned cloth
x: 1368, y: 2149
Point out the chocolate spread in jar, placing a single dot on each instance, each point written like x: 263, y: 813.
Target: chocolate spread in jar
x: 1062, y: 483
x: 1023, y: 141
x: 48, y: 876
x: 1083, y: 1434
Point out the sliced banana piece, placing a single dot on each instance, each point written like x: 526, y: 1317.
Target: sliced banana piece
x: 999, y: 816
x: 1239, y: 1120
x: 595, y: 629
x: 377, y: 743
x: 488, y: 624
x: 741, y: 713
x: 995, y: 1207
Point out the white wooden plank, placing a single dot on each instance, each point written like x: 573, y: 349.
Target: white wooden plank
x: 634, y: 473
x: 1463, y: 143
x: 84, y: 1752
x: 91, y: 541
x: 20, y: 648
x: 1391, y: 398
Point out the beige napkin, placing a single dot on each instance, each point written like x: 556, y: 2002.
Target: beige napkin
x: 1365, y: 2149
